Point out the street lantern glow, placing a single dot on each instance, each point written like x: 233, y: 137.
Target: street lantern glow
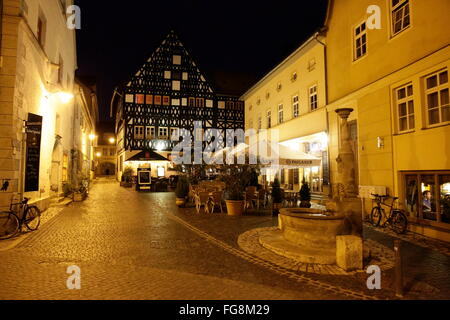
x: 65, y: 97
x: 112, y: 140
x: 92, y: 137
x: 98, y: 154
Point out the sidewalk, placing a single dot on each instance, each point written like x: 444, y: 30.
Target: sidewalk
x: 54, y: 209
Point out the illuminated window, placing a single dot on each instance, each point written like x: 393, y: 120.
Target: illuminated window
x: 184, y: 102
x: 400, y: 15
x: 209, y: 103
x: 140, y: 99
x: 176, y: 85
x: 295, y: 106
x: 175, y: 102
x: 221, y: 104
x: 313, y: 98
x: 174, y: 134
x: 185, y: 76
x: 161, y: 171
x: 405, y: 108
x: 158, y: 100
x: 167, y: 75
x: 360, y: 38
x: 149, y: 99
x: 129, y: 98
x: 166, y: 101
x: 437, y: 98
x: 176, y: 59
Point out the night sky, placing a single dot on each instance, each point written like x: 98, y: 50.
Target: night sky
x: 244, y: 39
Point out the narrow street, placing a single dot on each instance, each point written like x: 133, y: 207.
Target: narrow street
x: 128, y: 247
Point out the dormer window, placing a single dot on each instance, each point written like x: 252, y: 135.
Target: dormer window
x: 176, y: 59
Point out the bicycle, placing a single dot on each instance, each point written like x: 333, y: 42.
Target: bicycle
x: 396, y: 220
x: 11, y: 221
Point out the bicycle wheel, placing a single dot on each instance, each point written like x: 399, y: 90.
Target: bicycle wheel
x: 9, y: 225
x: 399, y: 222
x: 375, y: 216
x: 32, y: 218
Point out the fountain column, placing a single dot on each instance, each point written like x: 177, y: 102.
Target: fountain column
x: 346, y: 194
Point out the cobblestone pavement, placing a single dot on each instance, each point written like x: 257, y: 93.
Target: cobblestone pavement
x: 130, y: 245
x: 133, y: 245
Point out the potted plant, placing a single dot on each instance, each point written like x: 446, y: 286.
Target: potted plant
x: 182, y: 191
x: 235, y: 179
x: 277, y: 197
x: 305, y: 195
x: 127, y: 178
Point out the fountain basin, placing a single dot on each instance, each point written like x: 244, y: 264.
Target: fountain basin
x: 311, y: 228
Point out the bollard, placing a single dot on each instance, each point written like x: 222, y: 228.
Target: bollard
x: 398, y: 269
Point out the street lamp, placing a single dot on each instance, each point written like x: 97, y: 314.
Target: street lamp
x: 98, y: 154
x: 92, y: 137
x: 112, y: 140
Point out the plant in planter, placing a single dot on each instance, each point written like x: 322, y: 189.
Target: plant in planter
x: 277, y: 197
x: 235, y: 178
x: 305, y: 195
x: 182, y: 191
x: 127, y: 178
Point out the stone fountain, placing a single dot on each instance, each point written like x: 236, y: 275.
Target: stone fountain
x: 331, y: 236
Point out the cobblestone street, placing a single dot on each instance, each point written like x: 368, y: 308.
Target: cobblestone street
x: 133, y: 245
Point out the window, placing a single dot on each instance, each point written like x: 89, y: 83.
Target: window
x: 200, y: 102
x: 437, y: 98
x: 184, y: 102
x: 175, y: 85
x: 405, y: 108
x: 139, y: 132
x: 295, y: 107
x: 427, y: 195
x: 191, y: 102
x: 158, y: 100
x: 221, y: 104
x: 41, y: 29
x: 280, y: 113
x: 175, y: 102
x: 259, y: 123
x: 149, y: 99
x: 360, y: 37
x: 161, y: 172
x: 60, y: 70
x: 185, y: 76
x: 176, y: 75
x: 167, y: 75
x: 162, y: 133
x: 174, y: 134
x: 400, y: 15
x: 230, y: 105
x: 140, y: 99
x: 176, y: 59
x: 269, y: 119
x: 311, y: 65
x: 209, y: 103
x: 166, y: 101
x: 294, y: 76
x: 313, y: 98
x: 112, y: 152
x: 129, y: 98
x: 149, y: 133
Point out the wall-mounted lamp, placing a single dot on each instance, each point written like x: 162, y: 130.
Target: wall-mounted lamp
x: 92, y: 137
x: 112, y: 140
x: 380, y: 142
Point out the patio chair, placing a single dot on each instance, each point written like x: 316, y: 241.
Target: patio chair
x: 202, y: 199
x: 262, y: 198
x: 216, y: 200
x: 250, y: 196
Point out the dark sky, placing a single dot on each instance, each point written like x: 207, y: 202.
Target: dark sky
x: 239, y: 37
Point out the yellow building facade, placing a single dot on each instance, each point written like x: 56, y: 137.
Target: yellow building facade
x: 289, y: 102
x: 395, y: 77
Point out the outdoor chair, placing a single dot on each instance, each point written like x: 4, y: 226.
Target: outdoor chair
x: 250, y: 196
x: 262, y: 198
x: 202, y: 200
x: 216, y: 201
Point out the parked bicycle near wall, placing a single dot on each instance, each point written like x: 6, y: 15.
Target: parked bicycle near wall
x: 11, y: 221
x: 396, y: 219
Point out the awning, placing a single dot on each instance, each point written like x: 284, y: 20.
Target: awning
x: 147, y: 155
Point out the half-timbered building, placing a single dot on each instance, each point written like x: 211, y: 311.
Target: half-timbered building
x: 169, y: 93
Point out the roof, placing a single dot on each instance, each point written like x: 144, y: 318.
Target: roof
x: 147, y: 155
